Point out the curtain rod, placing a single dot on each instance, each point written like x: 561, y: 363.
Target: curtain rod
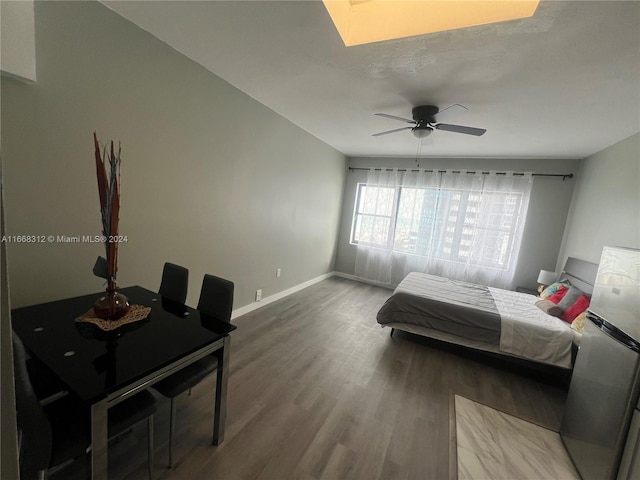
x: 563, y: 175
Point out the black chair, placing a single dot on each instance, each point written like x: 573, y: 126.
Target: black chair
x: 175, y: 280
x: 51, y: 437
x: 216, y: 302
x: 45, y: 384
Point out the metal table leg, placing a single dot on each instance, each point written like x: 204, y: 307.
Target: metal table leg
x: 99, y: 439
x: 220, y: 410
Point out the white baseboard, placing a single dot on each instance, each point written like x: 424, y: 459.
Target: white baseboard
x: 285, y: 293
x: 362, y: 280
x: 346, y: 275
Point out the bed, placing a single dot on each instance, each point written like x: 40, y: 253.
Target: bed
x: 486, y: 318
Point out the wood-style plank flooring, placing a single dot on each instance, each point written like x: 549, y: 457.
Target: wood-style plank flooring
x: 317, y: 390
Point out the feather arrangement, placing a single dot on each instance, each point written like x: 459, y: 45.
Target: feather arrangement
x: 108, y: 173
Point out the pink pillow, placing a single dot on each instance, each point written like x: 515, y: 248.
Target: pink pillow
x: 576, y: 309
x: 559, y: 295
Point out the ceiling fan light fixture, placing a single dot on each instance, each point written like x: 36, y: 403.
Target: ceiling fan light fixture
x: 422, y: 132
x: 368, y: 21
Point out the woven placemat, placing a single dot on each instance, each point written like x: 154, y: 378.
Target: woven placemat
x: 135, y: 314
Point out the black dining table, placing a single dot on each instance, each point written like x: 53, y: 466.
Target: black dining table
x: 103, y: 368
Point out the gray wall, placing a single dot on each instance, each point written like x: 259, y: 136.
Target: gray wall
x: 9, y: 432
x: 605, y: 209
x: 17, y: 40
x: 211, y: 179
x: 548, y: 207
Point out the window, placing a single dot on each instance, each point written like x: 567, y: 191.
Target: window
x: 374, y: 216
x: 460, y: 225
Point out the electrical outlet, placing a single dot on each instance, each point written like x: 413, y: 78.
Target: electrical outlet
x: 258, y: 295
x: 278, y: 272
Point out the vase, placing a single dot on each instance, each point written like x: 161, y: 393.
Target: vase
x: 113, y: 305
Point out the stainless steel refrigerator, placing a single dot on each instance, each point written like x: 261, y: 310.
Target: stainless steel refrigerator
x: 605, y: 383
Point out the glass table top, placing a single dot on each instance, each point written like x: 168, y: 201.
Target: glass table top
x: 93, y: 363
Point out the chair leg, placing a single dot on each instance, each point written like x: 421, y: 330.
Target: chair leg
x: 172, y: 424
x: 150, y: 445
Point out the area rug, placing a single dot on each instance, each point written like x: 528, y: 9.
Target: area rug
x: 494, y: 445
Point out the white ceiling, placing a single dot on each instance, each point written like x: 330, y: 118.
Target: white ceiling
x: 564, y: 83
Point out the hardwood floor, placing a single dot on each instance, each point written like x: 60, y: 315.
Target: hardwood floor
x: 317, y: 390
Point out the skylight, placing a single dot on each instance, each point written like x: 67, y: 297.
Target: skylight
x: 368, y: 21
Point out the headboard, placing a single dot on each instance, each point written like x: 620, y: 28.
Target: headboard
x: 580, y: 273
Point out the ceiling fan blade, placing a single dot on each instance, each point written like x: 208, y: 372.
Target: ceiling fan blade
x: 460, y: 129
x: 450, y: 112
x: 391, y: 131
x: 393, y: 117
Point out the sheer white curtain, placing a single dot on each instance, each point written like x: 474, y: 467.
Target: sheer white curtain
x: 466, y: 226
x: 373, y: 231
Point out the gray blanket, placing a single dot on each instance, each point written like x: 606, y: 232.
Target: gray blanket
x: 459, y: 308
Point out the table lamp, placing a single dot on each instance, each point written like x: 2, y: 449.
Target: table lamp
x: 546, y: 278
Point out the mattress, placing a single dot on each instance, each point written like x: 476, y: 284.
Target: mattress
x: 482, y: 317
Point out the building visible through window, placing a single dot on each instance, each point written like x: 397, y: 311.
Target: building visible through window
x: 471, y: 226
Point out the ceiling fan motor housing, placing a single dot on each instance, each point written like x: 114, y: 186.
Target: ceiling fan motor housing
x: 424, y: 113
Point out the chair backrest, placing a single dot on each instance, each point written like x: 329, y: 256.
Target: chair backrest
x: 33, y: 425
x: 175, y: 281
x: 216, y: 297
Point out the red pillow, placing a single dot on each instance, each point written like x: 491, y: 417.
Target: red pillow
x: 576, y: 309
x: 559, y: 295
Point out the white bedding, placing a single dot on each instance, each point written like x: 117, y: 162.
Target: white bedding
x: 528, y: 332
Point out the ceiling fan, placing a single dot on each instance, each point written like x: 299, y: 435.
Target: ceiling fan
x: 425, y: 121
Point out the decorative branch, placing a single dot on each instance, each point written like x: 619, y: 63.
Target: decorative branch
x: 109, y: 193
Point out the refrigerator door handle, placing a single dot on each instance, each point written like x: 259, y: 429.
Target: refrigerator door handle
x: 595, y: 319
x: 621, y: 337
x: 613, y: 332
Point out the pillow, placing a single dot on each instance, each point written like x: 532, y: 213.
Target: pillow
x: 553, y: 288
x: 570, y: 297
x: 576, y: 309
x: 578, y: 322
x: 549, y: 307
x: 559, y: 295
